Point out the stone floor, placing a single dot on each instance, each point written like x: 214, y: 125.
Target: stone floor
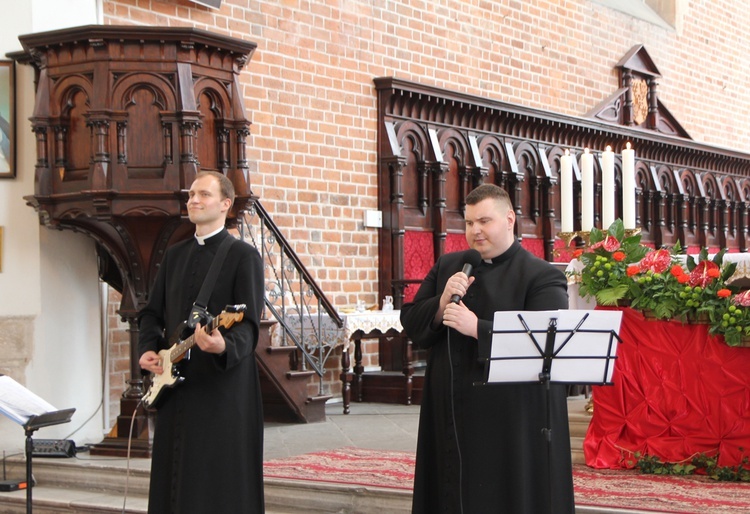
x: 89, y: 484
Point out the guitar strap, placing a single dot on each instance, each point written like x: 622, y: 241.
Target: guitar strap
x: 199, y: 314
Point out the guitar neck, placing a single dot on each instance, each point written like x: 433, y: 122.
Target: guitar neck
x: 179, y: 349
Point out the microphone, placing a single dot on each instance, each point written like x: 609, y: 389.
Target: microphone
x: 471, y: 260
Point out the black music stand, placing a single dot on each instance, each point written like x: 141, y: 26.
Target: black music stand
x: 31, y: 412
x: 32, y: 425
x: 578, y: 347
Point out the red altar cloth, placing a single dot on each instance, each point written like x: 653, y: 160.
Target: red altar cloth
x: 677, y: 392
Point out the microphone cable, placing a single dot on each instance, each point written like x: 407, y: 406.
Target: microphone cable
x: 455, y: 428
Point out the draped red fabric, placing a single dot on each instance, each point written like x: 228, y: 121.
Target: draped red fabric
x: 677, y: 392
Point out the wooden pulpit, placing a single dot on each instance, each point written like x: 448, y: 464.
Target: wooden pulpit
x: 124, y: 119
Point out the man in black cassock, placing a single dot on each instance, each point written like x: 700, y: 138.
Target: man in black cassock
x: 208, y: 438
x: 481, y: 448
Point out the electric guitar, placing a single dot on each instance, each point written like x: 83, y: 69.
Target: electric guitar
x: 170, y: 375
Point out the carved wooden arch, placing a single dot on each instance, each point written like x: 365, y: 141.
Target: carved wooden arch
x: 525, y: 188
x: 664, y: 202
x: 493, y: 158
x: 63, y: 91
x: 144, y: 137
x: 553, y: 154
x: 414, y: 144
x: 733, y: 208
x: 216, y: 124
x: 460, y: 169
x: 125, y: 89
x: 70, y: 131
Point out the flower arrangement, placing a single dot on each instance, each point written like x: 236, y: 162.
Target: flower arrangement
x: 617, y: 269
x: 605, y: 264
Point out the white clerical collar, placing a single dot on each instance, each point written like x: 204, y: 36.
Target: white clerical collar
x: 202, y: 239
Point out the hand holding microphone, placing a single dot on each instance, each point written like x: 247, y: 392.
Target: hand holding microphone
x: 471, y: 261
x: 454, y: 314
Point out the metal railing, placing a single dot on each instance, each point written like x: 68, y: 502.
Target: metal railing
x: 306, y: 318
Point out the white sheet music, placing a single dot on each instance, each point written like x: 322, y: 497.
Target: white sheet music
x: 18, y: 403
x: 580, y: 357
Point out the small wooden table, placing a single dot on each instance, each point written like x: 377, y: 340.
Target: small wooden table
x: 359, y: 326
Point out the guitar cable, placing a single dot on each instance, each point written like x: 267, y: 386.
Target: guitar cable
x: 127, y: 467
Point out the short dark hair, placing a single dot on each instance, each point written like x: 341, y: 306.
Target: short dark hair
x: 225, y: 185
x: 486, y: 191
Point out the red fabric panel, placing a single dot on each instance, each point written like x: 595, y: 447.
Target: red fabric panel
x: 534, y: 245
x: 677, y: 392
x: 455, y: 243
x: 419, y: 257
x: 563, y: 253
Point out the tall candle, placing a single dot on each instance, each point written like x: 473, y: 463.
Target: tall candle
x: 587, y: 191
x: 608, y: 188
x: 628, y: 188
x: 566, y: 192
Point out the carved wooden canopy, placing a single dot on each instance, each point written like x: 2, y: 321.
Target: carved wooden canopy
x: 124, y: 118
x: 636, y: 103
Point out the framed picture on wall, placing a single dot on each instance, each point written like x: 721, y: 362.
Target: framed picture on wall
x: 7, y: 120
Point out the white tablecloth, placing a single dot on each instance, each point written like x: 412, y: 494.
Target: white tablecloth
x: 332, y: 335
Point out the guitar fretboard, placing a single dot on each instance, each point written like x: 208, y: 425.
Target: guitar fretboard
x: 188, y: 343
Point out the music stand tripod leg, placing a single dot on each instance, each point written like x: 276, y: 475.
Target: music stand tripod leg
x: 29, y: 453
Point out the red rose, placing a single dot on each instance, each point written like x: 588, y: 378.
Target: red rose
x: 723, y: 293
x: 577, y: 253
x: 682, y: 279
x: 619, y: 256
x: 677, y: 271
x: 633, y: 269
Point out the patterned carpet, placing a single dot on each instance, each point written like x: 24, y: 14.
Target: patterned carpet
x: 596, y: 488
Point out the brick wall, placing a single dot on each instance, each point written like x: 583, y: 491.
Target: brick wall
x: 118, y: 340
x: 308, y: 89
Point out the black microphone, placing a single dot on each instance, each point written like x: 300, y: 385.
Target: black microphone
x: 471, y: 261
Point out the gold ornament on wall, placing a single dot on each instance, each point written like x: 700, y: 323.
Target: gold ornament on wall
x: 640, y: 100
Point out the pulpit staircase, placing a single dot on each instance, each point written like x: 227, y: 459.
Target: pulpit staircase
x: 292, y: 359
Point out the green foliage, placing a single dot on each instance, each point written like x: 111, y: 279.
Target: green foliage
x: 657, y: 292
x: 700, y: 464
x: 605, y: 266
x: 731, y: 321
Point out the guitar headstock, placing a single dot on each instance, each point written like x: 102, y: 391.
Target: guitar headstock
x: 231, y: 314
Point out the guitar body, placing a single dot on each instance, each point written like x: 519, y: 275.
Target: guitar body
x: 170, y: 376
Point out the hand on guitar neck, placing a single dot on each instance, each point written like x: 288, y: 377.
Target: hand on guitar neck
x: 207, y: 338
x: 210, y: 343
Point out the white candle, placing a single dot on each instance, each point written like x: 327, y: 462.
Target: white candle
x: 587, y: 191
x: 608, y: 188
x: 628, y: 188
x: 566, y: 192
